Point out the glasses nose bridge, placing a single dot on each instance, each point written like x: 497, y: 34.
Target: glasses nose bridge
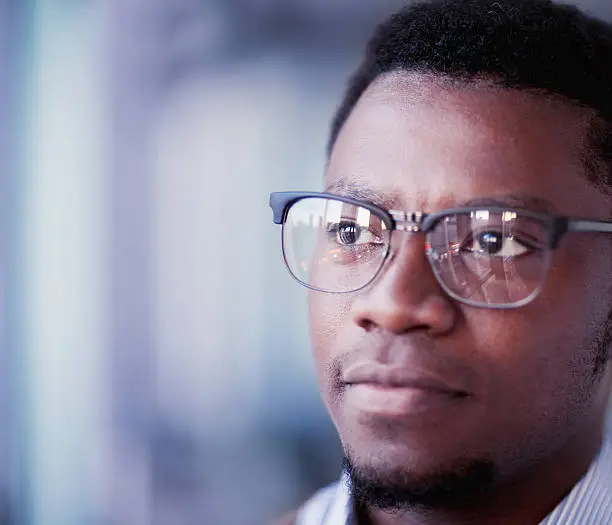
x: 406, y: 222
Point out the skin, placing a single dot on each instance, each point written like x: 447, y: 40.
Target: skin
x: 536, y: 405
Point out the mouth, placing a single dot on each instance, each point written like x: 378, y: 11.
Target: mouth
x: 382, y: 376
x: 383, y: 390
x: 402, y: 402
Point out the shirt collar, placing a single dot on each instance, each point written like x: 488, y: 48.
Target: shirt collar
x: 590, y: 501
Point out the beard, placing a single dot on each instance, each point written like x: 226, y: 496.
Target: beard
x: 395, y: 490
x: 602, y: 347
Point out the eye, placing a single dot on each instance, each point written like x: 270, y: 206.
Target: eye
x: 349, y: 233
x: 497, y: 244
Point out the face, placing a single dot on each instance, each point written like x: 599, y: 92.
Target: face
x: 420, y: 387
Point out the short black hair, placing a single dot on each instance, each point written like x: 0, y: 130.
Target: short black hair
x: 522, y: 44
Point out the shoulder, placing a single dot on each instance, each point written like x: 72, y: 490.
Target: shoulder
x: 314, y: 510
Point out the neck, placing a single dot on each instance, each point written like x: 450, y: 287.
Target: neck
x: 539, y: 490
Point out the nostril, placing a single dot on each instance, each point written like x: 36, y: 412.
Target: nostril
x: 366, y: 324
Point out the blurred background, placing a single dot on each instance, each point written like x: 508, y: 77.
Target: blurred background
x: 155, y: 364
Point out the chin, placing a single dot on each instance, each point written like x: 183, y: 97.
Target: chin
x: 386, y: 443
x: 395, y: 484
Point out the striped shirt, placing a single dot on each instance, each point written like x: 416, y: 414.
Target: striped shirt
x: 589, y: 503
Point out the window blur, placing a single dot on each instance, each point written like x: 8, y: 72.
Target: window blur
x: 155, y: 363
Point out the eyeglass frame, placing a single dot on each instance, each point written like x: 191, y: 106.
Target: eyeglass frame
x: 420, y: 222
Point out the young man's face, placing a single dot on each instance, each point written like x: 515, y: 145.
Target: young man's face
x: 520, y: 383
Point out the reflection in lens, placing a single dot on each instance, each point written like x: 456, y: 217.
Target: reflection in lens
x: 333, y: 246
x: 490, y: 258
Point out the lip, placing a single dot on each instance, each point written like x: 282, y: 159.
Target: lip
x: 371, y: 399
x: 391, y: 377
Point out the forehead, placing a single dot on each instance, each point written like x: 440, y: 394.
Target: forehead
x: 420, y: 143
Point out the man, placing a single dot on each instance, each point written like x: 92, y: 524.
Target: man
x: 460, y: 267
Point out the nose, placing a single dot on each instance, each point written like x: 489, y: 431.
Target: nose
x: 406, y: 295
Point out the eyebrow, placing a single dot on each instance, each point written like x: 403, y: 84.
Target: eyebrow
x: 363, y: 192
x: 520, y: 200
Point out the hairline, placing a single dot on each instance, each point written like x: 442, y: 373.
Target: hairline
x: 592, y: 160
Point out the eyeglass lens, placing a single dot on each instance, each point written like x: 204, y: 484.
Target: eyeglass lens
x: 481, y: 257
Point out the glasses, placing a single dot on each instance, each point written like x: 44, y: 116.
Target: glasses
x: 489, y: 257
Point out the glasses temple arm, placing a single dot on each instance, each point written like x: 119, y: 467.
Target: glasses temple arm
x: 580, y: 225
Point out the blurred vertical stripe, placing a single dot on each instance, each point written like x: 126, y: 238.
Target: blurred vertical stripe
x: 64, y: 279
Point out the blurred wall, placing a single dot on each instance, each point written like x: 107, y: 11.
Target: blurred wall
x: 155, y: 358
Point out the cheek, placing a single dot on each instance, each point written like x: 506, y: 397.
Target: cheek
x: 540, y: 358
x: 541, y: 340
x: 329, y: 316
x: 576, y: 300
